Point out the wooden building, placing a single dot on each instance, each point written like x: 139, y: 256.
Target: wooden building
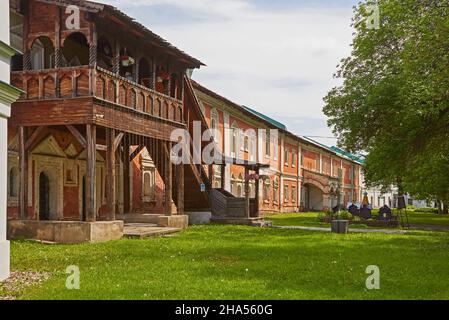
x: 90, y: 140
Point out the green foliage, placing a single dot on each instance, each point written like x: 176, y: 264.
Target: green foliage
x: 394, y: 102
x: 344, y: 215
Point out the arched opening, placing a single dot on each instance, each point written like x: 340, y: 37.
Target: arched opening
x: 174, y: 85
x: 75, y: 50
x: 313, y: 197
x: 162, y: 80
x: 14, y: 182
x: 44, y: 197
x: 145, y: 73
x: 105, y: 55
x: 42, y: 54
x: 127, y: 64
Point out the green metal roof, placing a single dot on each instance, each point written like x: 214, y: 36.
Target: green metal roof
x: 347, y: 154
x: 275, y: 123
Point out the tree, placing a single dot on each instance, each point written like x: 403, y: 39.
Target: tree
x: 394, y: 101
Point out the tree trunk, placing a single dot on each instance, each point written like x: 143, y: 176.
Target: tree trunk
x: 439, y: 206
x: 445, y: 207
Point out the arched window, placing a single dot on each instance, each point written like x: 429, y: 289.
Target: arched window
x: 148, y: 185
x: 214, y: 120
x: 105, y: 55
x: 76, y: 50
x: 239, y: 191
x: 235, y: 140
x: 266, y: 191
x: 276, y: 190
x: 14, y: 182
x: 233, y: 185
x: 145, y: 73
x: 42, y: 54
x: 267, y: 144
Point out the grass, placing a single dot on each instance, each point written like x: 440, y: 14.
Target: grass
x: 309, y: 219
x: 304, y: 219
x: 230, y: 262
x: 425, y: 218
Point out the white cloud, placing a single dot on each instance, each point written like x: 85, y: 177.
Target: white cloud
x: 279, y: 62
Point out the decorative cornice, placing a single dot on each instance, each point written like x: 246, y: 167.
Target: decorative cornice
x: 6, y: 50
x: 8, y: 93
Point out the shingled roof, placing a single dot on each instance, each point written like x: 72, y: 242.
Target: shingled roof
x: 96, y: 7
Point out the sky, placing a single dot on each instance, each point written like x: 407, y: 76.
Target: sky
x: 275, y: 56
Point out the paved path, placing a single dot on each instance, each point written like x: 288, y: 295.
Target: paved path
x: 386, y: 231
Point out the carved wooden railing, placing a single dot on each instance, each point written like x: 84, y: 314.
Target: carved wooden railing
x: 121, y: 91
x: 85, y: 81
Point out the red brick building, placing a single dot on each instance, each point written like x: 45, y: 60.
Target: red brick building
x: 90, y: 139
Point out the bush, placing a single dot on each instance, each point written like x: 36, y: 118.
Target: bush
x: 344, y: 215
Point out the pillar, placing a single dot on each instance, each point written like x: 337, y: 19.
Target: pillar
x: 110, y: 177
x: 126, y: 177
x: 257, y: 191
x: 4, y: 244
x: 180, y: 175
x: 222, y: 175
x: 91, y: 197
x: 23, y: 179
x: 168, y: 203
x: 247, y: 207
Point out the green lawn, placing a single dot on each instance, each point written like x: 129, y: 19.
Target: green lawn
x: 309, y: 219
x: 229, y: 262
x: 304, y: 219
x: 428, y: 218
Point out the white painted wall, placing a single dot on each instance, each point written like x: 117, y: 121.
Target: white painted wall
x: 4, y: 113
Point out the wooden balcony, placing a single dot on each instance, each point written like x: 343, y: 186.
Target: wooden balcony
x: 88, y: 95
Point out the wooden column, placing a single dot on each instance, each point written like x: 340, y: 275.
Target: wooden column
x: 23, y: 169
x: 168, y: 182
x: 110, y: 176
x: 247, y: 209
x: 91, y: 197
x: 257, y: 192
x: 222, y: 177
x: 180, y: 176
x: 126, y: 175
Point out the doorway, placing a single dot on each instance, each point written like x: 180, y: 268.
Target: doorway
x: 84, y: 198
x: 44, y: 197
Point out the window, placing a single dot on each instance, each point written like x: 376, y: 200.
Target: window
x: 149, y: 185
x: 266, y: 191
x: 214, y: 120
x: 233, y: 185
x: 239, y: 191
x: 302, y: 159
x: 246, y: 143
x: 286, y: 157
x: 14, y: 182
x: 293, y: 194
x: 275, y: 146
x: 294, y: 159
x: 286, y: 195
x: 317, y: 164
x: 267, y: 144
x: 235, y: 140
x: 276, y: 190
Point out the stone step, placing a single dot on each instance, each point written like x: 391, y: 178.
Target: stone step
x: 142, y: 231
